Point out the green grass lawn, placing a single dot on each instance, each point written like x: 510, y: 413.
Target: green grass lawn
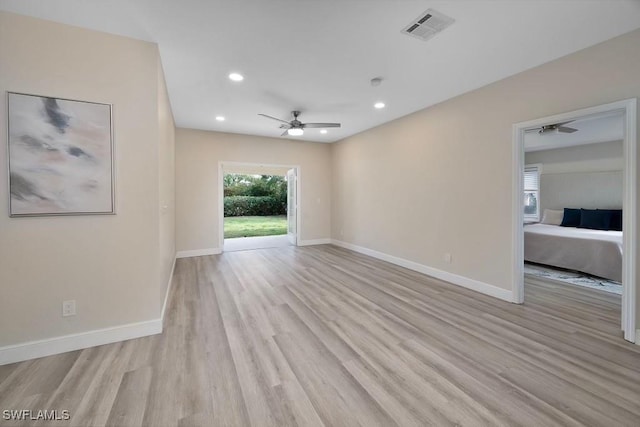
x: 252, y: 226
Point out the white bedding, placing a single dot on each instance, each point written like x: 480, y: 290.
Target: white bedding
x: 594, y: 252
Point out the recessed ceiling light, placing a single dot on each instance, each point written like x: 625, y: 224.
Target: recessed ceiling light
x: 323, y: 131
x: 220, y: 118
x: 236, y: 77
x: 379, y: 105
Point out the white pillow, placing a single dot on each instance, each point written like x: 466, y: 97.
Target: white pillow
x: 552, y: 217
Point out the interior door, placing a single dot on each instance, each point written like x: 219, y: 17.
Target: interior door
x: 292, y: 206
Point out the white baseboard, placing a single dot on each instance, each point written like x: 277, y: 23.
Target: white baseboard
x: 47, y: 347
x: 463, y: 281
x: 166, y: 295
x: 79, y: 341
x: 314, y: 242
x: 63, y: 344
x: 198, y: 252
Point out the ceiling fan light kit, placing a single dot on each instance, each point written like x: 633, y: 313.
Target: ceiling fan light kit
x: 295, y: 127
x: 376, y: 81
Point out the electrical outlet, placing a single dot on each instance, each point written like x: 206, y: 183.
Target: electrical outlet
x: 69, y: 308
x: 447, y: 258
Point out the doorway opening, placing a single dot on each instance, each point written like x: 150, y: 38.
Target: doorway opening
x: 577, y: 216
x: 258, y: 206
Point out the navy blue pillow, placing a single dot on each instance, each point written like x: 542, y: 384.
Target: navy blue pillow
x: 595, y: 219
x: 571, y: 218
x: 616, y: 219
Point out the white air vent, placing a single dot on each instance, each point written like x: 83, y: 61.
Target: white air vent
x: 428, y: 24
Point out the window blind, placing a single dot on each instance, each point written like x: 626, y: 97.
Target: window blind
x: 531, y: 179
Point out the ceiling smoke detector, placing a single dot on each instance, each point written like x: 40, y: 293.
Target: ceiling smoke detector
x: 427, y: 25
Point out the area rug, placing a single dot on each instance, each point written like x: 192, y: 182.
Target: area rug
x: 572, y: 277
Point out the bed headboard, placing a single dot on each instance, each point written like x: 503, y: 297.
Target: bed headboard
x: 589, y: 190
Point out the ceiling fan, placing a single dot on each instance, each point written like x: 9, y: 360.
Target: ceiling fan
x: 557, y: 127
x: 295, y: 127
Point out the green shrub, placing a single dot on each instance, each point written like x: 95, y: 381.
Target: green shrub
x: 254, y: 185
x: 254, y: 206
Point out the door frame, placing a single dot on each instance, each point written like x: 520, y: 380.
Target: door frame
x: 220, y: 198
x: 628, y: 108
x: 292, y: 173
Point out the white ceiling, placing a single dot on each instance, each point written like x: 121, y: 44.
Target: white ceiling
x: 318, y: 56
x: 590, y: 130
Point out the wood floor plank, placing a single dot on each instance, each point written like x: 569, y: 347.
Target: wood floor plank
x: 338, y: 398
x: 396, y: 406
x: 228, y: 407
x: 31, y: 377
x: 324, y: 336
x: 75, y: 385
x: 96, y: 403
x: 421, y: 390
x: 517, y: 405
x: 319, y: 328
x: 254, y: 382
x: 129, y: 406
x: 6, y: 370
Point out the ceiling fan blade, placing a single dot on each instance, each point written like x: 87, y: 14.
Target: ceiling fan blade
x: 532, y: 130
x: 285, y: 133
x: 564, y: 129
x: 273, y: 118
x: 287, y: 126
x: 321, y: 125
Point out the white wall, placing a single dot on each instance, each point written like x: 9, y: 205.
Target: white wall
x: 586, y: 176
x: 254, y: 169
x: 111, y: 265
x: 440, y: 180
x: 167, y: 185
x: 198, y: 154
x: 588, y: 190
x: 602, y: 157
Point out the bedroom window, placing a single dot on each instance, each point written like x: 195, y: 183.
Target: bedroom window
x: 532, y: 193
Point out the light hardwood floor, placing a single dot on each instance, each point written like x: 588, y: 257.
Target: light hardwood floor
x: 324, y: 336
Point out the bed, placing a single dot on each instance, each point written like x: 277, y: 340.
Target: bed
x: 596, y: 252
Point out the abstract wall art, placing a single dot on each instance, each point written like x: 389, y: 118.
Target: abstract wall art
x: 60, y: 156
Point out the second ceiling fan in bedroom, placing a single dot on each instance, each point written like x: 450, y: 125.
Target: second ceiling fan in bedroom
x: 295, y: 127
x: 555, y: 128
